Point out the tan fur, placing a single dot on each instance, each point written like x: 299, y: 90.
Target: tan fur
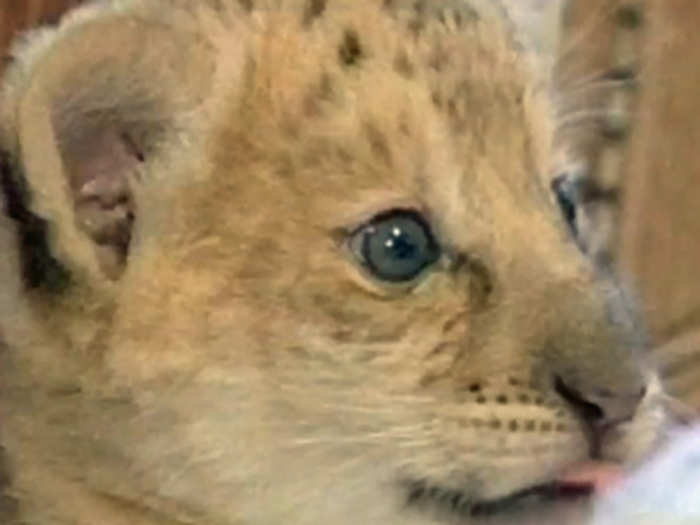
x: 239, y: 366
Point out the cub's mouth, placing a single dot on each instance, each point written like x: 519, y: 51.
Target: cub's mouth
x: 457, y: 503
x: 576, y: 485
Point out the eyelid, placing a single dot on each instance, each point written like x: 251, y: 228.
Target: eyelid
x: 342, y: 234
x: 417, y: 213
x: 358, y: 215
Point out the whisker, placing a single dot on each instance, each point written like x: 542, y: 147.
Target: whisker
x: 600, y: 75
x: 584, y: 89
x: 578, y: 117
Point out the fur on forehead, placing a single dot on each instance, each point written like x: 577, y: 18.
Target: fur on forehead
x: 340, y: 75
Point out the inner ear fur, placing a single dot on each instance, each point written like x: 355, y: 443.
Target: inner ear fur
x: 94, y: 110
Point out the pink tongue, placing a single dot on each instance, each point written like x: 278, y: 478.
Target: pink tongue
x: 599, y: 475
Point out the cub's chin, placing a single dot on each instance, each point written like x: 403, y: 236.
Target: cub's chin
x: 565, y: 500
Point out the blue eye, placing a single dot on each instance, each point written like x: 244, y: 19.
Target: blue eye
x: 396, y: 246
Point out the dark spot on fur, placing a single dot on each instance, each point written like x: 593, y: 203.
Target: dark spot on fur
x: 481, y: 282
x: 313, y: 10
x: 39, y: 267
x: 404, y: 128
x: 66, y: 391
x: 495, y: 424
x: 629, y: 16
x: 417, y: 23
x: 436, y: 99
x: 530, y: 425
x: 475, y: 387
x: 620, y: 74
x: 378, y: 143
x: 439, y: 349
x: 246, y: 4
x: 438, y: 59
x: 344, y: 335
x: 561, y: 427
x: 513, y: 425
x: 545, y: 426
x: 403, y: 66
x: 452, y: 108
x: 451, y: 323
x: 416, y: 26
x: 524, y: 399
x: 416, y: 493
x: 513, y: 382
x: 350, y: 51
x: 441, y: 17
x: 481, y: 400
x: 503, y: 400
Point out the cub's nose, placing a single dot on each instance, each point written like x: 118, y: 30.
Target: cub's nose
x: 603, y: 407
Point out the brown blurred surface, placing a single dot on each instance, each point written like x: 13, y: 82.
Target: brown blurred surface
x: 661, y: 227
x: 656, y: 240
x: 16, y: 15
x: 660, y: 231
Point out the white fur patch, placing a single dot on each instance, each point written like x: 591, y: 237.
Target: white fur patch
x: 664, y: 491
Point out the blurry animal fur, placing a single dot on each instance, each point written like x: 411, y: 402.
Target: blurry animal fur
x: 189, y: 339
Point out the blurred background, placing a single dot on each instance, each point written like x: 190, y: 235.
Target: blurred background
x: 16, y: 15
x: 647, y: 166
x: 638, y: 61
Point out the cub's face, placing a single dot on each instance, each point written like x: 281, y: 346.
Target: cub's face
x: 309, y: 273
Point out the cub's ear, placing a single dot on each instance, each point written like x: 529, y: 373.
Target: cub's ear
x: 85, y: 110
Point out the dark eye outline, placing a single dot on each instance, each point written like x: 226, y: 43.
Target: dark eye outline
x: 357, y: 239
x: 567, y: 193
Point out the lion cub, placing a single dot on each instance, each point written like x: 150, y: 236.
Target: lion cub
x: 292, y: 262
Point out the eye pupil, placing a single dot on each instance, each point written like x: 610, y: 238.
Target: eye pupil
x: 400, y: 246
x: 396, y: 246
